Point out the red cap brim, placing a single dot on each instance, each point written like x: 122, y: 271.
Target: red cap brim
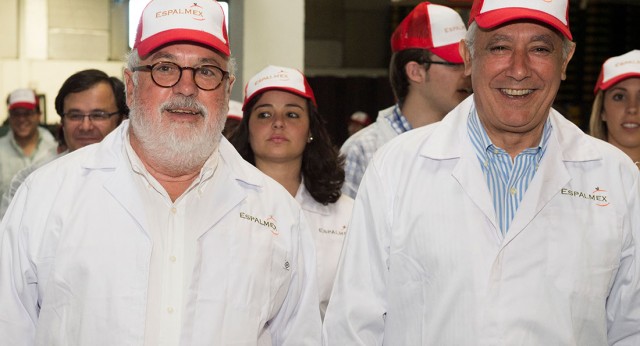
x: 26, y: 105
x: 449, y: 53
x: 176, y: 35
x: 608, y: 84
x: 494, y: 18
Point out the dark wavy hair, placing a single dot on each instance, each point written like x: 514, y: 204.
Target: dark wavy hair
x: 322, y: 165
x: 398, y: 75
x: 86, y: 79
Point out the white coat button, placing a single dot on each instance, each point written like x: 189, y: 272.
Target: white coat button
x: 173, y: 210
x: 172, y: 258
x: 170, y: 310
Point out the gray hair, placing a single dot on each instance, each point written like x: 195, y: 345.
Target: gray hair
x: 470, y: 38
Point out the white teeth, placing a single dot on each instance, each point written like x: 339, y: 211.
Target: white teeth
x: 517, y: 92
x: 182, y: 111
x: 630, y: 125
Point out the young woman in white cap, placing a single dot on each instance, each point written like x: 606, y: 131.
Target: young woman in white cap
x: 615, y: 115
x: 284, y: 136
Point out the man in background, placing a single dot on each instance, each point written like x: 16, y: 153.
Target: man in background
x: 357, y: 121
x: 26, y: 142
x: 427, y: 78
x: 91, y: 105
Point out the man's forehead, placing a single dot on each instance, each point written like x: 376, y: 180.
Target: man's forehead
x: 536, y: 31
x: 180, y: 50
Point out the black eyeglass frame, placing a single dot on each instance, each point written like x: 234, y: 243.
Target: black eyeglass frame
x: 445, y: 63
x: 91, y: 115
x: 149, y: 68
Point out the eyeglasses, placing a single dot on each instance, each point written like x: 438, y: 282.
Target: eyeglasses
x: 445, y: 63
x: 97, y: 116
x: 167, y: 74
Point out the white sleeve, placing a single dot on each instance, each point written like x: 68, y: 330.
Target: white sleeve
x: 356, y: 311
x: 623, y: 303
x: 18, y: 278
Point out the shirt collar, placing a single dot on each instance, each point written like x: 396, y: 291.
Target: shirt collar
x: 398, y: 121
x: 206, y: 172
x: 483, y: 143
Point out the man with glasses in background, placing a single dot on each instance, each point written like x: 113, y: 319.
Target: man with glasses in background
x: 161, y: 234
x: 427, y: 79
x: 91, y: 105
x: 26, y: 142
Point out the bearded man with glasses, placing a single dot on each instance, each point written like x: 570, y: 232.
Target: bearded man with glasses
x: 161, y: 234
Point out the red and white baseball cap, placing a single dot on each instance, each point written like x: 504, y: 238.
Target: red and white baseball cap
x: 23, y: 98
x: 433, y: 27
x: 618, y: 68
x: 491, y: 13
x: 278, y: 78
x: 235, y: 110
x: 166, y: 21
x: 361, y: 118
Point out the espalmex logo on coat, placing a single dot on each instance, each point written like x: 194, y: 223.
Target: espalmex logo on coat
x: 269, y: 222
x: 598, y: 196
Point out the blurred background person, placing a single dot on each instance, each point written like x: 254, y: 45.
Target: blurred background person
x: 284, y: 136
x: 91, y: 105
x: 26, y: 142
x: 427, y: 78
x: 615, y: 116
x: 234, y: 117
x: 357, y: 121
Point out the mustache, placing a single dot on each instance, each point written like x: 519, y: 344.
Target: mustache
x: 184, y: 102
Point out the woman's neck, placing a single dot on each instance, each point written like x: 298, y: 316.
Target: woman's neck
x: 286, y: 173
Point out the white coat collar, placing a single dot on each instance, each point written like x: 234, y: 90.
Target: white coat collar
x: 450, y: 134
x: 109, y: 152
x: 308, y: 203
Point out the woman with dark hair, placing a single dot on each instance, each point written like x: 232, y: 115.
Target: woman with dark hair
x: 284, y: 136
x: 615, y: 115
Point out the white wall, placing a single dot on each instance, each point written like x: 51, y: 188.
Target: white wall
x: 273, y: 35
x: 52, y: 39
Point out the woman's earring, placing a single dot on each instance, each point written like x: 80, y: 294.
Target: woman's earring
x: 310, y: 139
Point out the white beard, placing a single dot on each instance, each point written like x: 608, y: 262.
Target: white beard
x: 177, y: 148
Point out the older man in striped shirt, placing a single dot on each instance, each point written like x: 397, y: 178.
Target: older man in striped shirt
x: 503, y: 224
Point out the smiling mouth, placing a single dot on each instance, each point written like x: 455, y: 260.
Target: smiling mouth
x: 183, y: 112
x: 630, y: 125
x: 516, y: 92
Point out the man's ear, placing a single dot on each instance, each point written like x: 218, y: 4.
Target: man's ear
x: 466, y: 57
x: 129, y: 85
x: 415, y: 72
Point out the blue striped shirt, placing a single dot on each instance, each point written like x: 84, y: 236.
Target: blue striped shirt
x: 507, y: 179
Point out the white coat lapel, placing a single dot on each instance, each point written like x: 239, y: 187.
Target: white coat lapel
x: 551, y: 176
x: 450, y: 140
x: 567, y: 144
x: 227, y: 190
x: 121, y: 186
x: 469, y: 175
x: 123, y: 189
x: 221, y: 198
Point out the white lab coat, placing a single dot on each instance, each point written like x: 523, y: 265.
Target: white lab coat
x: 328, y: 224
x: 75, y: 252
x: 424, y: 262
